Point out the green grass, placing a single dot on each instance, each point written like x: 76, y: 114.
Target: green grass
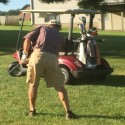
x: 95, y: 102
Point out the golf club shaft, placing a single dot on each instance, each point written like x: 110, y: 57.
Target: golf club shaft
x: 10, y: 71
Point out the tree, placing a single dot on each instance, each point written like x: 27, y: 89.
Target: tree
x: 13, y: 12
x: 87, y: 4
x: 9, y: 12
x: 4, y: 1
x: 90, y: 4
x: 51, y: 1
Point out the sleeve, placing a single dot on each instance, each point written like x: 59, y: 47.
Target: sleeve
x: 33, y: 35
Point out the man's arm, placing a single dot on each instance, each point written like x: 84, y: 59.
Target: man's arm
x: 26, y: 46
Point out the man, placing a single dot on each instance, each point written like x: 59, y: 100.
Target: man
x: 46, y: 41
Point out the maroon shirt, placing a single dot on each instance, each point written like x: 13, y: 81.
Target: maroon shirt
x: 46, y: 38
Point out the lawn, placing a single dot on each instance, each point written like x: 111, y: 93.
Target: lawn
x: 95, y: 102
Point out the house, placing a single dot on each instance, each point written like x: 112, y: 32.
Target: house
x: 14, y: 20
x: 65, y: 18
x: 27, y: 16
x: 112, y: 19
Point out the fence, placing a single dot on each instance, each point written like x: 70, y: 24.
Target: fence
x: 9, y: 20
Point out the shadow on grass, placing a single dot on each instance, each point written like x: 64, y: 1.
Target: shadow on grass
x: 112, y: 80
x: 7, y: 51
x: 48, y: 114
x: 78, y: 116
x: 113, y: 46
x: 102, y: 117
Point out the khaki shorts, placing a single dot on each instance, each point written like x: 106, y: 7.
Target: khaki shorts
x: 46, y: 64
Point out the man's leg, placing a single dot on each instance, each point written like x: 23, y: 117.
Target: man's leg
x: 32, y: 94
x: 63, y: 96
x: 33, y: 78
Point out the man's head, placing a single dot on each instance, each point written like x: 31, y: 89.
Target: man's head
x: 55, y: 23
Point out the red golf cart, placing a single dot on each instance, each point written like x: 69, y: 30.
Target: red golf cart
x: 70, y: 65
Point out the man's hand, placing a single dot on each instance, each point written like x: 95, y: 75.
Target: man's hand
x: 23, y: 62
x: 24, y: 59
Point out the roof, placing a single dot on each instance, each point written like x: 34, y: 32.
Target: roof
x: 24, y: 7
x: 113, y: 7
x: 69, y: 11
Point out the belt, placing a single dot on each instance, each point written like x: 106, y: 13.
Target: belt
x: 44, y: 51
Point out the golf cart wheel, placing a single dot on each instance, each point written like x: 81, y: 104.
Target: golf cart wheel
x: 104, y: 65
x: 66, y: 74
x: 14, y: 70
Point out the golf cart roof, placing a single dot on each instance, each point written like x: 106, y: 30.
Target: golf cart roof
x: 69, y: 11
x: 72, y: 12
